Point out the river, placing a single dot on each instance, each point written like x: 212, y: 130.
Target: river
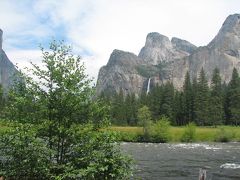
x: 183, y: 161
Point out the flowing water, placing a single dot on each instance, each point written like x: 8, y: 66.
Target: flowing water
x: 148, y: 85
x: 183, y: 161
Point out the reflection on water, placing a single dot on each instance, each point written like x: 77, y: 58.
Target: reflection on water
x: 182, y: 161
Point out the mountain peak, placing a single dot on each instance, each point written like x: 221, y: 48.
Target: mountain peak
x: 121, y: 57
x: 156, y: 40
x: 231, y: 24
x: 228, y: 36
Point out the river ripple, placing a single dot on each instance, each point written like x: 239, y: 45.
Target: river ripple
x: 182, y: 161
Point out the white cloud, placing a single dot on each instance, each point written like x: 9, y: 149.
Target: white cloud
x: 22, y: 58
x: 99, y: 26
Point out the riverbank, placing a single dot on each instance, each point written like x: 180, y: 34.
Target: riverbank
x: 202, y: 134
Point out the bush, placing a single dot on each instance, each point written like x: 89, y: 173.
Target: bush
x: 129, y: 136
x: 23, y: 155
x: 92, y: 155
x: 189, y: 134
x: 161, y: 130
x: 96, y: 155
x: 222, y: 135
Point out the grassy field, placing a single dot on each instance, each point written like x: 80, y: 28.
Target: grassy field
x: 203, y: 134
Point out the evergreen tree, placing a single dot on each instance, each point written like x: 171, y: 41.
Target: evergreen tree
x: 202, y: 100
x: 167, y: 101
x: 194, y: 97
x: 155, y: 97
x: 130, y: 106
x: 216, y: 100
x: 187, y: 98
x: 117, y: 109
x: 233, y: 99
x: 178, y: 108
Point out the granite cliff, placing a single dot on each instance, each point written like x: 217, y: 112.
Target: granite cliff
x: 162, y: 60
x: 7, y: 69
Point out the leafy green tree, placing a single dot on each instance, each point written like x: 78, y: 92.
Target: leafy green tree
x: 23, y: 156
x: 64, y: 102
x: 21, y: 105
x: 233, y: 99
x: 145, y: 119
x: 216, y: 111
x: 202, y: 100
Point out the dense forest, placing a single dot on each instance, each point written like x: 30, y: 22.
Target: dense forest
x: 204, y: 104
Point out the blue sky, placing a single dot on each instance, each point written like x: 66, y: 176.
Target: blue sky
x: 95, y: 27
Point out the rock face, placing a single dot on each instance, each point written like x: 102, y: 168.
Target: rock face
x: 183, y: 45
x: 7, y: 69
x: 158, y: 48
x: 120, y: 73
x: 163, y: 60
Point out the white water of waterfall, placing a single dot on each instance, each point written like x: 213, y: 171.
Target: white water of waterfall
x: 148, y: 86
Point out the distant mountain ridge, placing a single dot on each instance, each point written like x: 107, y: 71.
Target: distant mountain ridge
x: 163, y: 60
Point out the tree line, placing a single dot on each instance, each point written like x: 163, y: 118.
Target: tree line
x: 216, y: 103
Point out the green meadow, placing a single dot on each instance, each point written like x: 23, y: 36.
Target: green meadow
x: 202, y: 134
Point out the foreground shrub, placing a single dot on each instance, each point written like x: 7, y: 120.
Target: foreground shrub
x: 92, y: 155
x: 96, y: 155
x: 189, y: 134
x: 222, y: 135
x: 160, y: 130
x: 23, y: 155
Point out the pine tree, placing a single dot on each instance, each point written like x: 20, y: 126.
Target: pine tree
x: 117, y: 109
x: 178, y: 108
x: 167, y: 101
x: 187, y: 98
x: 233, y: 99
x: 216, y: 100
x: 130, y: 109
x: 202, y: 100
x: 194, y: 97
x: 155, y: 101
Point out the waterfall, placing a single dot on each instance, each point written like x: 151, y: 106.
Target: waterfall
x: 148, y: 86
